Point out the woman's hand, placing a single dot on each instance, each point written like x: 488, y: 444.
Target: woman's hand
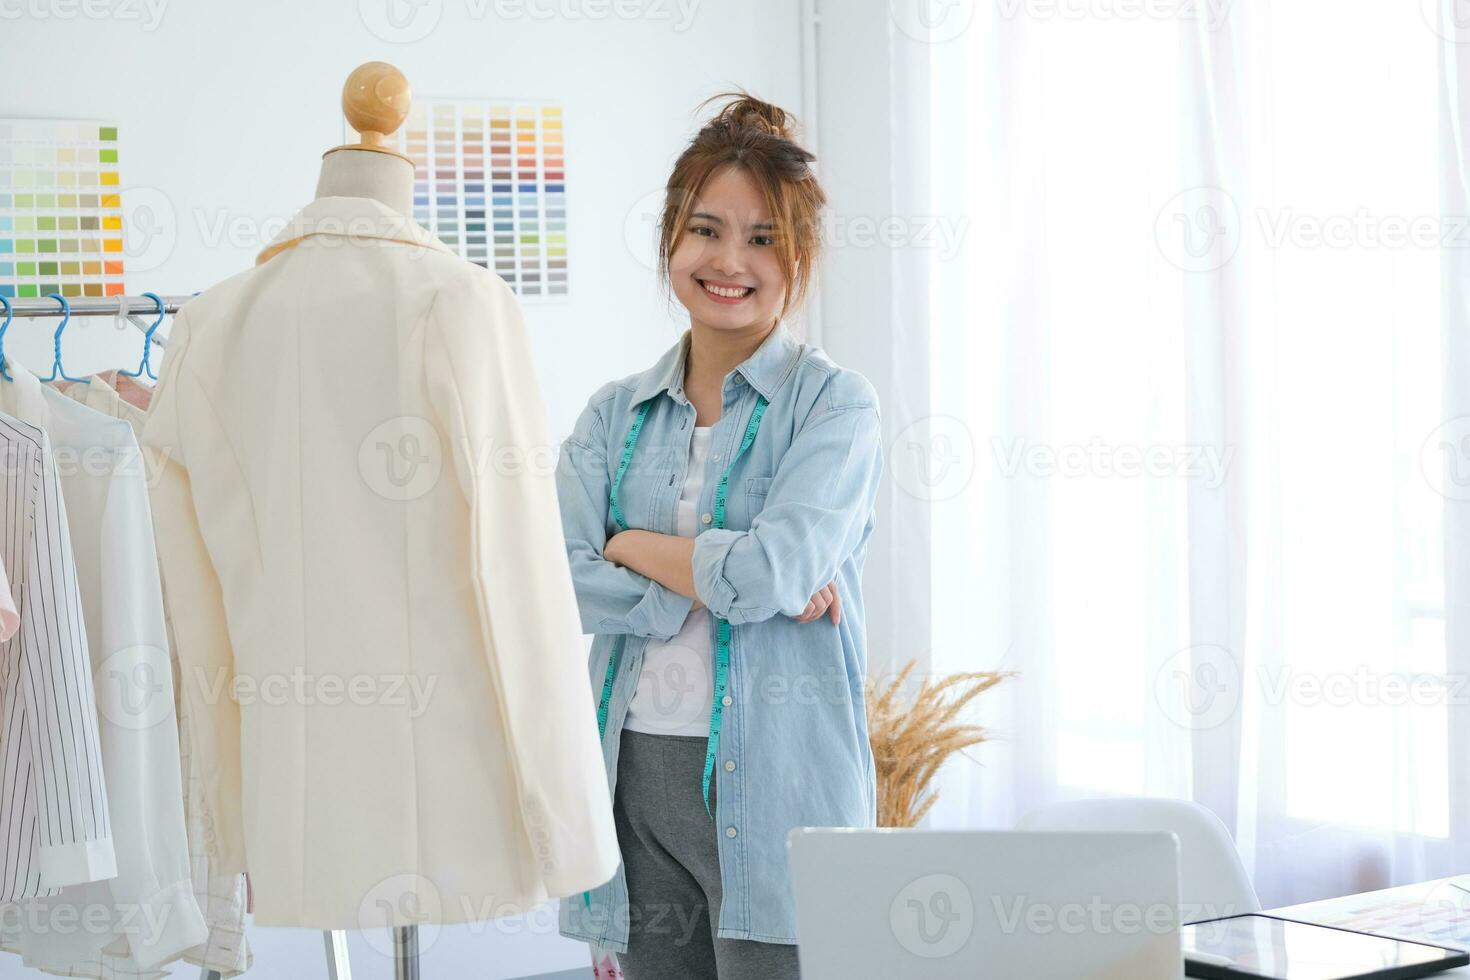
x: 613, y: 550
x: 825, y: 601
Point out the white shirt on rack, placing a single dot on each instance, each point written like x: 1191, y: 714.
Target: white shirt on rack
x: 221, y: 897
x: 152, y: 916
x: 677, y: 680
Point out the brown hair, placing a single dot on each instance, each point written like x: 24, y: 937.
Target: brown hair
x: 756, y: 137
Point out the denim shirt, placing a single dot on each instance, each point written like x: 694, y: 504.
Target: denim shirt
x: 793, y: 750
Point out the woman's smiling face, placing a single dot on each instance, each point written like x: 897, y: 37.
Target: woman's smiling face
x: 726, y: 269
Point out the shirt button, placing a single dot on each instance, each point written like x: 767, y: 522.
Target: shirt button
x: 726, y: 700
x: 729, y: 831
x: 739, y: 378
x: 730, y: 765
x: 705, y: 518
x: 717, y: 457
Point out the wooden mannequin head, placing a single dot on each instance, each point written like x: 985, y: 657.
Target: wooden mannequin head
x: 375, y: 100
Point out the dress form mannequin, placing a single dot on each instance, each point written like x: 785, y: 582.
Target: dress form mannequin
x: 375, y: 100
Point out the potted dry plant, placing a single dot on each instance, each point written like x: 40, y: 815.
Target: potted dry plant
x: 913, y: 735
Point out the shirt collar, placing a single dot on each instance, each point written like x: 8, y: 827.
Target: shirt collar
x: 102, y: 396
x: 765, y: 369
x: 23, y: 397
x: 351, y: 218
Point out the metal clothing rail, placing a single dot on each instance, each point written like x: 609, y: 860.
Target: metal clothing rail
x: 138, y: 307
x: 95, y: 306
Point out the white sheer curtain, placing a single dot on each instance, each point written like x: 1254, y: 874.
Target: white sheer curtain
x: 1188, y: 459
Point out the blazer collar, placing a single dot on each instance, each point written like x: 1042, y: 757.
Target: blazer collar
x: 765, y: 369
x: 350, y: 218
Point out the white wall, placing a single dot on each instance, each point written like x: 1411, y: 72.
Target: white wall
x: 224, y: 109
x: 883, y: 224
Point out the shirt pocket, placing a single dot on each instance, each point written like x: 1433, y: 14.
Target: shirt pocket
x: 742, y: 508
x: 645, y: 484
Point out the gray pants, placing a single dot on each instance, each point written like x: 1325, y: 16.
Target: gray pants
x: 672, y: 864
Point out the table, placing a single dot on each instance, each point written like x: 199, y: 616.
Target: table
x: 1430, y: 912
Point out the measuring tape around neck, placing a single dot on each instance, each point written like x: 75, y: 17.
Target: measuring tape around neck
x: 722, y: 655
x: 617, y: 513
x: 722, y: 627
x: 617, y: 648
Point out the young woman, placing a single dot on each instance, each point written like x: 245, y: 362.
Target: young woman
x: 717, y: 509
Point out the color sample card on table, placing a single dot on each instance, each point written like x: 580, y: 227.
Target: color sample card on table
x: 61, y: 221
x: 490, y: 182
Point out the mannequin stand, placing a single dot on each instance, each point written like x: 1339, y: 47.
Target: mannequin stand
x: 406, y: 953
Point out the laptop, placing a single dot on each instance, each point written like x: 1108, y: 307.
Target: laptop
x: 1009, y: 905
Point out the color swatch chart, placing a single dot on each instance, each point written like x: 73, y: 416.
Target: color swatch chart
x: 490, y: 182
x: 61, y: 224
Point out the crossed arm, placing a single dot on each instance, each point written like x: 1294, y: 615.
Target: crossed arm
x: 644, y: 583
x: 669, y: 560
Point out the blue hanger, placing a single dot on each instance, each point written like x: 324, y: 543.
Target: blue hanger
x: 147, y: 343
x: 57, y: 372
x: 9, y: 315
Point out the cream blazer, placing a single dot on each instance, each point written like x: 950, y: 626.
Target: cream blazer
x: 357, y: 521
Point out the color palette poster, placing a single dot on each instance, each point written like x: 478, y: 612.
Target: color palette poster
x: 61, y: 223
x: 490, y: 182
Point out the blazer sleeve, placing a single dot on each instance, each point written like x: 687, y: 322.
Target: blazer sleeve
x: 819, y: 502
x: 482, y: 387
x: 60, y: 701
x: 141, y: 738
x: 610, y: 598
x: 196, y: 607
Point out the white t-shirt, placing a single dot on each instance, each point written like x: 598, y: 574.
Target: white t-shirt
x: 676, y: 684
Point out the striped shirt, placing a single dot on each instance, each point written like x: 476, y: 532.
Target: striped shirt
x: 54, y: 824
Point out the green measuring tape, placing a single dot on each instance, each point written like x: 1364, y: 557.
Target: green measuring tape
x: 722, y: 632
x: 617, y: 513
x: 722, y: 657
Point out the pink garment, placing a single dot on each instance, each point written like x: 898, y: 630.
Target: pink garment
x: 9, y: 616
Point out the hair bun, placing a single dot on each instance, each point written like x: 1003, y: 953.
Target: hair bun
x: 754, y: 138
x: 745, y: 111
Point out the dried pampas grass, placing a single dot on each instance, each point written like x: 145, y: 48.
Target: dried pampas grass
x: 913, y: 736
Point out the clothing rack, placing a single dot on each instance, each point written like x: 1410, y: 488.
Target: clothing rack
x: 96, y: 306
x: 139, y: 309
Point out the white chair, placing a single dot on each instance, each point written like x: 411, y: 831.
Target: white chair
x: 1212, y: 880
